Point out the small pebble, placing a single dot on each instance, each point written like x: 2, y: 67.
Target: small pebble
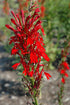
x: 7, y: 85
x: 13, y: 97
x: 2, y: 92
x: 21, y: 102
x: 67, y: 99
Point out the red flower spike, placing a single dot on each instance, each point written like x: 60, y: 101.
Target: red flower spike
x: 15, y: 65
x: 28, y: 44
x: 64, y: 66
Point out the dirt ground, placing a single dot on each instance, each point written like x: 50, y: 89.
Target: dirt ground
x: 11, y: 92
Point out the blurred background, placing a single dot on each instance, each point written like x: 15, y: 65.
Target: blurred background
x: 56, y: 23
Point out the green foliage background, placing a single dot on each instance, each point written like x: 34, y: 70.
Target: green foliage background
x: 57, y: 27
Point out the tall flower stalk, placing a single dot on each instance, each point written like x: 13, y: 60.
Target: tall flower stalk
x: 63, y: 67
x: 29, y: 46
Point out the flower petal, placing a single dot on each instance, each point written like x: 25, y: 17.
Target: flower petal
x: 14, y: 51
x: 63, y: 80
x: 47, y: 75
x: 9, y: 27
x: 15, y: 65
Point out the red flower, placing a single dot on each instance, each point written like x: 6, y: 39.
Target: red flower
x: 42, y: 10
x: 31, y: 73
x: 65, y: 64
x: 33, y: 57
x: 47, y: 75
x: 39, y: 0
x: 66, y: 74
x: 14, y: 51
x: 15, y: 65
x: 25, y: 72
x: 28, y: 43
x: 63, y: 80
x: 62, y: 71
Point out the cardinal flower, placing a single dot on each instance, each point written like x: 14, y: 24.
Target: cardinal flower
x: 28, y: 43
x: 64, y: 66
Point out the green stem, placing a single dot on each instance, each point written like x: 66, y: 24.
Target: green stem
x: 35, y: 101
x: 61, y: 94
x: 34, y: 97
